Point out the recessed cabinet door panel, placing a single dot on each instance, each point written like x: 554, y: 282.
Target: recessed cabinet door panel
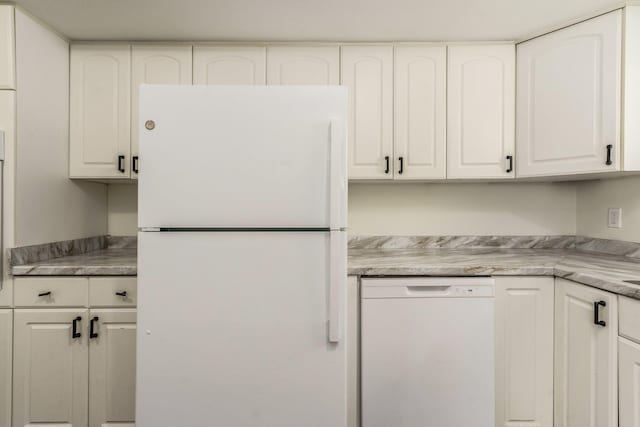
x: 368, y: 72
x: 420, y: 115
x: 569, y: 99
x: 629, y: 377
x: 112, y: 361
x: 586, y: 360
x: 50, y: 375
x: 100, y: 111
x: 7, y: 47
x: 155, y: 64
x: 308, y: 65
x: 229, y: 65
x: 481, y: 111
x: 6, y: 355
x: 524, y: 351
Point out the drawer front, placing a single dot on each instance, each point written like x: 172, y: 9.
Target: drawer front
x: 51, y: 292
x: 629, y: 315
x: 113, y: 291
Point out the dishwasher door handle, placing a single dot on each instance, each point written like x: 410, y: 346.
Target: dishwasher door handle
x: 430, y: 289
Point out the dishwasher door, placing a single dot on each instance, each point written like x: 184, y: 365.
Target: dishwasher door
x: 428, y: 352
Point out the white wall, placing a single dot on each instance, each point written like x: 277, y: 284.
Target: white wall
x: 48, y: 206
x: 595, y: 197
x: 462, y: 209
x: 123, y: 209
x: 426, y: 209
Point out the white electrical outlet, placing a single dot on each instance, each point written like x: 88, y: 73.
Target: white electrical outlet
x: 615, y: 218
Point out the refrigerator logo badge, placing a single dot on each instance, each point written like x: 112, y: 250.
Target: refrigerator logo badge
x: 150, y: 124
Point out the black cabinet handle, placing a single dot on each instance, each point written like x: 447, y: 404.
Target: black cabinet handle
x: 596, y: 313
x: 92, y: 332
x: 121, y: 163
x: 74, y: 332
x: 386, y: 159
x: 122, y: 294
x: 510, y: 168
x: 134, y: 164
x: 44, y: 294
x: 401, y: 159
x: 609, y: 148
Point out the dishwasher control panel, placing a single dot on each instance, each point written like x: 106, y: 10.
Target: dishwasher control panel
x: 428, y: 287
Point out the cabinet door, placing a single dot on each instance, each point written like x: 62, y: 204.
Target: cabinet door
x: 50, y: 373
x: 629, y: 377
x: 100, y: 100
x: 112, y: 361
x: 586, y: 357
x: 155, y: 64
x: 229, y: 65
x: 481, y: 111
x: 524, y: 351
x: 569, y: 99
x: 420, y: 115
x: 7, y: 47
x: 6, y: 355
x: 368, y: 73
x: 308, y: 65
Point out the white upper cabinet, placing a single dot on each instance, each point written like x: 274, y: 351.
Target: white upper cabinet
x: 6, y: 357
x: 155, y: 64
x: 481, y: 111
x: 420, y: 115
x: 7, y: 47
x: 368, y: 73
x: 229, y: 65
x: 303, y: 65
x: 569, y: 105
x: 100, y: 99
x: 586, y: 356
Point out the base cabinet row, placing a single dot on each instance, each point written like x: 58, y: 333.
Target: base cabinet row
x: 74, y: 367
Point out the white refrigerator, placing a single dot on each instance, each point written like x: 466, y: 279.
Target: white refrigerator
x: 242, y: 256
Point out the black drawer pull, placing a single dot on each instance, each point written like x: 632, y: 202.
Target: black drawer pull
x: 92, y: 331
x: 609, y: 162
x: 510, y: 168
x: 74, y: 331
x: 44, y: 294
x: 596, y: 313
x: 386, y: 159
x: 401, y: 159
x: 121, y: 163
x: 122, y: 294
x: 134, y: 164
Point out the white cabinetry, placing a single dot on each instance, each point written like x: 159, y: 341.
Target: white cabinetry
x: 569, y: 108
x: 420, y: 115
x: 229, y: 65
x: 481, y: 111
x: 368, y: 73
x: 303, y: 65
x: 50, y: 373
x: 629, y: 377
x: 585, y: 356
x: 112, y: 367
x: 6, y: 357
x: 524, y: 351
x: 155, y: 64
x: 100, y: 111
x: 7, y: 47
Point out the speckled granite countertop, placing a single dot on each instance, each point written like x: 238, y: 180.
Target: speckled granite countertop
x: 557, y: 256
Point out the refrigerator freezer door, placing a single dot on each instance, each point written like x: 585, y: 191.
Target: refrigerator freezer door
x: 242, y: 157
x: 233, y: 331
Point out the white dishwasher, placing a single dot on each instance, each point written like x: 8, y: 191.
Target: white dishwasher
x: 428, y: 352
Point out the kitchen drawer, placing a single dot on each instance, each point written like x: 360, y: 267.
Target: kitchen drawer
x: 103, y: 291
x: 61, y: 292
x: 629, y: 318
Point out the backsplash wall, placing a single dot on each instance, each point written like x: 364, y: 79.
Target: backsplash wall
x: 425, y: 209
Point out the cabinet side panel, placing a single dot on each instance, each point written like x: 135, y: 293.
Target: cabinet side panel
x: 631, y: 132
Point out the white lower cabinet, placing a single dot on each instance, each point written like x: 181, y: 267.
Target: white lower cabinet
x: 629, y: 382
x: 586, y: 342
x: 112, y: 367
x: 6, y: 355
x: 50, y: 372
x: 524, y: 351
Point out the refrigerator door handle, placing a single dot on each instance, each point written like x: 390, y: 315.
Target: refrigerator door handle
x: 338, y: 175
x: 337, y: 282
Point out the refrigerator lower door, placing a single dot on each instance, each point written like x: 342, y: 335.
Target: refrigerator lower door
x: 234, y: 330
